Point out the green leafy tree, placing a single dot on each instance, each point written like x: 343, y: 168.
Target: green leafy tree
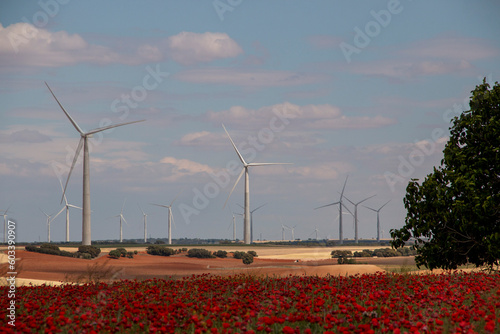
x: 454, y: 214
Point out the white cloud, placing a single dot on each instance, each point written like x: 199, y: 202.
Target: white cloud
x: 249, y: 78
x: 24, y: 44
x: 178, y: 168
x: 443, y: 54
x: 188, y: 48
x: 319, y: 116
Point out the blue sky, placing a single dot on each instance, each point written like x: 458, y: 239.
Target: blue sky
x: 337, y: 88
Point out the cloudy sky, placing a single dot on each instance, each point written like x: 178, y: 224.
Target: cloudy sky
x: 364, y: 90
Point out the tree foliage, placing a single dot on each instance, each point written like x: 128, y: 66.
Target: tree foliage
x: 454, y: 213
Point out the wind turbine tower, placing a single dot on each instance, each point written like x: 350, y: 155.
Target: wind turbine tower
x: 145, y: 224
x: 4, y: 214
x: 122, y: 219
x: 251, y: 219
x: 66, y: 206
x: 247, y: 227
x: 48, y: 222
x: 84, y: 136
x: 341, y: 234
x: 378, y: 218
x: 356, y: 216
x: 170, y: 217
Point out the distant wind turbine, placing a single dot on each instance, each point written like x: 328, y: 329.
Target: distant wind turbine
x: 170, y: 216
x: 86, y: 224
x: 48, y: 222
x: 356, y: 215
x: 66, y: 206
x: 251, y: 219
x: 145, y: 223
x: 247, y: 228
x: 292, y: 229
x: 378, y: 218
x: 4, y: 214
x: 122, y: 219
x: 339, y: 202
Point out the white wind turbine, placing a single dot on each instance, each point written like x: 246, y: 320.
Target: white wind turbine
x: 122, y: 219
x: 66, y: 206
x: 315, y: 231
x: 86, y: 224
x: 145, y: 224
x: 251, y: 219
x: 378, y: 218
x: 4, y: 214
x: 356, y: 215
x: 282, y: 230
x: 48, y: 222
x: 170, y: 217
x: 339, y: 202
x: 233, y: 223
x: 292, y: 229
x: 247, y: 228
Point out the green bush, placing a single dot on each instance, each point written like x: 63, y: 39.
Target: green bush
x: 345, y: 260
x: 340, y: 253
x: 385, y: 252
x: 135, y: 252
x: 253, y: 253
x: 364, y: 253
x: 49, y: 246
x: 238, y: 255
x: 115, y: 254
x: 221, y: 254
x: 92, y: 250
x: 122, y: 251
x: 247, y: 258
x: 200, y: 253
x: 160, y: 250
x: 130, y: 255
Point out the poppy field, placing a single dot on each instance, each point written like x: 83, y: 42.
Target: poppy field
x: 455, y: 302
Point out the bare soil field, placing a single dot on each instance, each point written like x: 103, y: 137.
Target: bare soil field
x: 272, y: 261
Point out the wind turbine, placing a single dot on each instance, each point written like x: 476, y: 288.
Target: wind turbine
x: 48, y: 222
x: 170, y: 217
x: 339, y: 202
x: 247, y: 228
x: 86, y: 224
x: 356, y: 215
x: 291, y: 229
x: 378, y: 218
x: 122, y: 218
x: 145, y: 224
x: 66, y: 206
x: 315, y: 231
x: 4, y: 214
x: 282, y: 230
x: 251, y: 219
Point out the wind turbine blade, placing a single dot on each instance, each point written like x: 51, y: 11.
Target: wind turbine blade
x: 111, y: 126
x: 69, y: 117
x: 324, y: 206
x: 124, y: 219
x: 64, y: 195
x: 123, y: 205
x: 232, y: 142
x: 384, y: 205
x: 240, y: 206
x: 163, y: 206
x: 259, y: 207
x: 366, y: 199
x: 238, y: 180
x: 172, y: 217
x: 141, y: 209
x: 59, y: 213
x: 77, y: 153
x: 74, y: 206
x: 343, y: 188
x: 269, y: 163
x: 369, y: 208
x: 345, y: 207
x: 349, y: 200
x: 43, y: 212
x: 176, y: 196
